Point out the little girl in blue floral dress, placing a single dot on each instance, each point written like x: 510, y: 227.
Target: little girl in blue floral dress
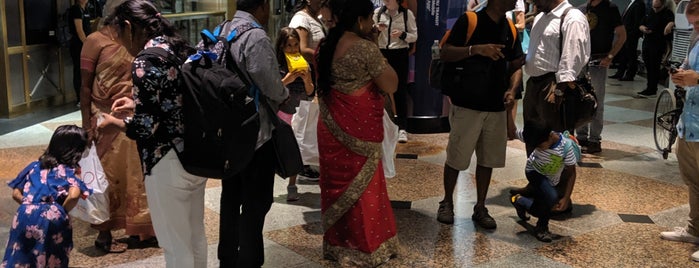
x: 41, y: 233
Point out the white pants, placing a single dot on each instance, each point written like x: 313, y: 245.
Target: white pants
x: 176, y: 203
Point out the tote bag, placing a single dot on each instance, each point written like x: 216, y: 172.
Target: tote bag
x: 95, y: 208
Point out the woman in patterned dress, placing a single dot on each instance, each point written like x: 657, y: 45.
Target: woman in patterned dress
x: 106, y: 77
x: 41, y: 234
x: 357, y: 217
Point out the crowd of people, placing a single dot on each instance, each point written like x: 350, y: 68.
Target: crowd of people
x: 357, y: 57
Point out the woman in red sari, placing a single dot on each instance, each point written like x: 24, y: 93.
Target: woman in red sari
x: 357, y: 217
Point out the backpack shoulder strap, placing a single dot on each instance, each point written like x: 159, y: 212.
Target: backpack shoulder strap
x: 514, y: 32
x: 160, y: 52
x: 405, y: 18
x: 381, y: 11
x: 471, y: 21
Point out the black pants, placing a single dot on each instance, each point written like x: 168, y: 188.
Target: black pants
x: 245, y: 200
x: 628, y: 57
x: 537, y: 108
x: 398, y: 59
x: 653, y: 52
x: 75, y: 49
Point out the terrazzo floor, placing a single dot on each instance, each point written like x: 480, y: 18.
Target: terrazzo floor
x: 623, y: 198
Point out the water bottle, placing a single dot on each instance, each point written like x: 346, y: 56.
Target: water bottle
x: 435, y: 50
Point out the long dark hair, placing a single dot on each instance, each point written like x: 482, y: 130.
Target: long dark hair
x: 144, y: 14
x: 66, y: 147
x: 282, y: 38
x: 347, y: 13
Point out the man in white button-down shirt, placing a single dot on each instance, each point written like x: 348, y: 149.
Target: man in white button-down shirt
x: 551, y: 68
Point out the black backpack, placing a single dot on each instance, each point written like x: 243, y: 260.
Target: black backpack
x: 219, y: 107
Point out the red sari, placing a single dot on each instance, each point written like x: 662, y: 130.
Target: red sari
x: 357, y: 217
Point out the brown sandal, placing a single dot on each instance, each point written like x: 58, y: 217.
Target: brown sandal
x: 111, y: 246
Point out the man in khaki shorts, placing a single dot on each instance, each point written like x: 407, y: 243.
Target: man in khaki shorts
x: 489, y: 65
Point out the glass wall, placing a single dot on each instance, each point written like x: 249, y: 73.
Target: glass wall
x: 36, y: 72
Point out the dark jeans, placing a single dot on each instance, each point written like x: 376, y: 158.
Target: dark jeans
x: 398, y: 59
x: 245, y: 200
x: 545, y: 197
x: 653, y: 52
x: 75, y: 49
x: 628, y: 57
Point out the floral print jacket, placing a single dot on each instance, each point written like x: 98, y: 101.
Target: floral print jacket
x: 157, y: 123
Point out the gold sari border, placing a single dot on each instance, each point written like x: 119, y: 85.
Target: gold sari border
x: 348, y: 257
x: 372, y: 150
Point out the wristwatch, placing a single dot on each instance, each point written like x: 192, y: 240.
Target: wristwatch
x: 127, y: 120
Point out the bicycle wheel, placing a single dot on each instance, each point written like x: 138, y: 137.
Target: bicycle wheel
x: 663, y: 121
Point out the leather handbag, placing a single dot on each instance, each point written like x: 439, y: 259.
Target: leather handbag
x: 580, y: 102
x: 286, y: 149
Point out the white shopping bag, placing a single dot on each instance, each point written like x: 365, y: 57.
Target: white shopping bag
x: 94, y: 209
x: 390, y: 139
x: 305, y: 125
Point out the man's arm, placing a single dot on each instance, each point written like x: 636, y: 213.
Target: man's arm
x: 262, y: 66
x: 568, y: 177
x: 619, y: 39
x: 575, y: 47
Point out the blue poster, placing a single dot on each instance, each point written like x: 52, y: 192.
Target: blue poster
x: 430, y: 107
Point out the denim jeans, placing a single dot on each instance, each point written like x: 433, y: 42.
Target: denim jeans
x: 545, y: 197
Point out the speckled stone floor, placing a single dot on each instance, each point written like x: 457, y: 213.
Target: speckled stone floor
x: 623, y: 198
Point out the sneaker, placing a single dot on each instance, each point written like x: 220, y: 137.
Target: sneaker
x: 592, y: 148
x: 680, y: 234
x: 695, y: 256
x: 483, y: 219
x: 310, y: 174
x: 582, y: 142
x: 292, y: 193
x: 521, y: 211
x: 617, y: 75
x: 402, y: 136
x: 543, y: 235
x: 445, y: 213
x: 646, y: 93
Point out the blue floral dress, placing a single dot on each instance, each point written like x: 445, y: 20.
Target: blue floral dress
x: 41, y: 234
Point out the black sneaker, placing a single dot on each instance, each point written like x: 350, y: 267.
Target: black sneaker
x: 543, y: 235
x: 309, y: 173
x: 582, y: 142
x: 445, y: 213
x: 483, y: 219
x: 647, y: 93
x: 592, y: 148
x: 521, y: 211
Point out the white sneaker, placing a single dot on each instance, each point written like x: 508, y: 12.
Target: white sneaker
x: 695, y: 256
x: 680, y: 234
x: 402, y: 136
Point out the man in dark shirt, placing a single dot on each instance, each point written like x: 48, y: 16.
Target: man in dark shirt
x: 657, y: 29
x: 628, y: 56
x: 492, y: 71
x: 79, y: 30
x: 607, y: 36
